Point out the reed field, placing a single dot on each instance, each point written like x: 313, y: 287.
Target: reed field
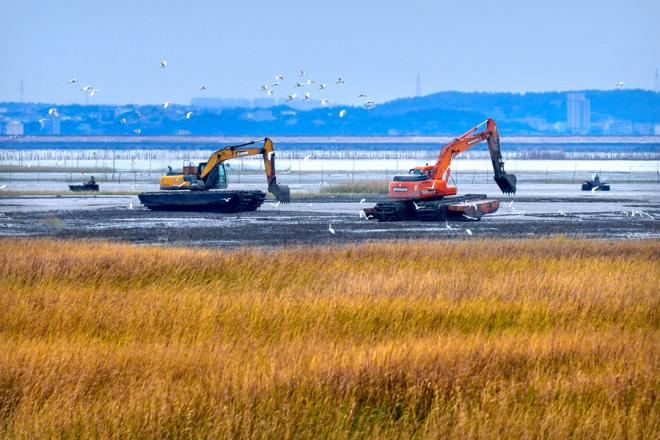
x: 361, y: 187
x: 553, y: 338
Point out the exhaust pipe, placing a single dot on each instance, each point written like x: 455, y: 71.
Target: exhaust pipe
x: 281, y: 192
x: 506, y: 182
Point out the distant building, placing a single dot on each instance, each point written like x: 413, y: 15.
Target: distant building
x: 622, y: 128
x: 578, y: 114
x: 643, y: 129
x: 50, y: 125
x: 14, y: 128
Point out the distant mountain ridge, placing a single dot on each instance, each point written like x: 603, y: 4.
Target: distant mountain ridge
x: 612, y: 112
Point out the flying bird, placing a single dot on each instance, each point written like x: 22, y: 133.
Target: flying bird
x: 620, y: 85
x: 264, y: 88
x: 269, y: 92
x: 275, y: 205
x: 163, y: 64
x: 369, y: 105
x: 363, y: 200
x: 447, y: 225
x: 309, y: 82
x: 166, y: 104
x: 93, y: 92
x: 86, y: 88
x: 202, y: 87
x: 342, y: 113
x: 323, y: 86
x: 291, y: 97
x: 122, y: 121
x: 331, y: 229
x: 137, y: 131
x: 301, y: 73
x: 307, y: 157
x: 188, y: 115
x: 3, y: 186
x: 340, y: 80
x: 53, y: 112
x: 307, y: 96
x: 324, y: 101
x: 468, y: 232
x: 279, y: 77
x: 275, y: 84
x: 73, y: 81
x: 362, y: 95
x: 299, y: 85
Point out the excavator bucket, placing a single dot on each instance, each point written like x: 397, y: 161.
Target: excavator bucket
x: 281, y: 192
x: 506, y: 182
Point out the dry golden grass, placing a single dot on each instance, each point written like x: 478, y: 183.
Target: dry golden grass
x: 359, y: 187
x: 486, y: 339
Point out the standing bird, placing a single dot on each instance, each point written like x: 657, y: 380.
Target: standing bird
x: 340, y: 80
x: 53, y: 112
x: 468, y: 232
x: 166, y: 104
x: 331, y: 229
x: 163, y: 64
x: 188, y: 115
x: 342, y: 113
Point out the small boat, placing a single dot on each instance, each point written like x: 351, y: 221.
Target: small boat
x: 90, y: 185
x: 595, y: 184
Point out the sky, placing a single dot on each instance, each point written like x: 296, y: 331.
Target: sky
x: 378, y: 47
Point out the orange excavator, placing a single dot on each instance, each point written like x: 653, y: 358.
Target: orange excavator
x: 426, y: 194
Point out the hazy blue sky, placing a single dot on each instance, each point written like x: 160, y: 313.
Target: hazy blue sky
x: 377, y: 46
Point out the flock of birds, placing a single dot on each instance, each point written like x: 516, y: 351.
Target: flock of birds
x: 269, y: 89
x: 304, y: 82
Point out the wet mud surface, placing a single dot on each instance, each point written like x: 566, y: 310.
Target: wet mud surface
x: 308, y: 221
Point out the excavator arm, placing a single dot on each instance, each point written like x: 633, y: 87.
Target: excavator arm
x: 506, y: 181
x: 210, y: 170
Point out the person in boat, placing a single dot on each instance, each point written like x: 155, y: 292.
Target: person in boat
x: 92, y: 181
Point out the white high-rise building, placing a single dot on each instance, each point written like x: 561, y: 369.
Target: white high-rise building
x: 578, y: 113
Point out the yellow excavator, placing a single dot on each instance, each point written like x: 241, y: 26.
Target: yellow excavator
x: 202, y: 187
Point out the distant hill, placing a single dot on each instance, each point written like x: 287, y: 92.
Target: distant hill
x: 613, y: 112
